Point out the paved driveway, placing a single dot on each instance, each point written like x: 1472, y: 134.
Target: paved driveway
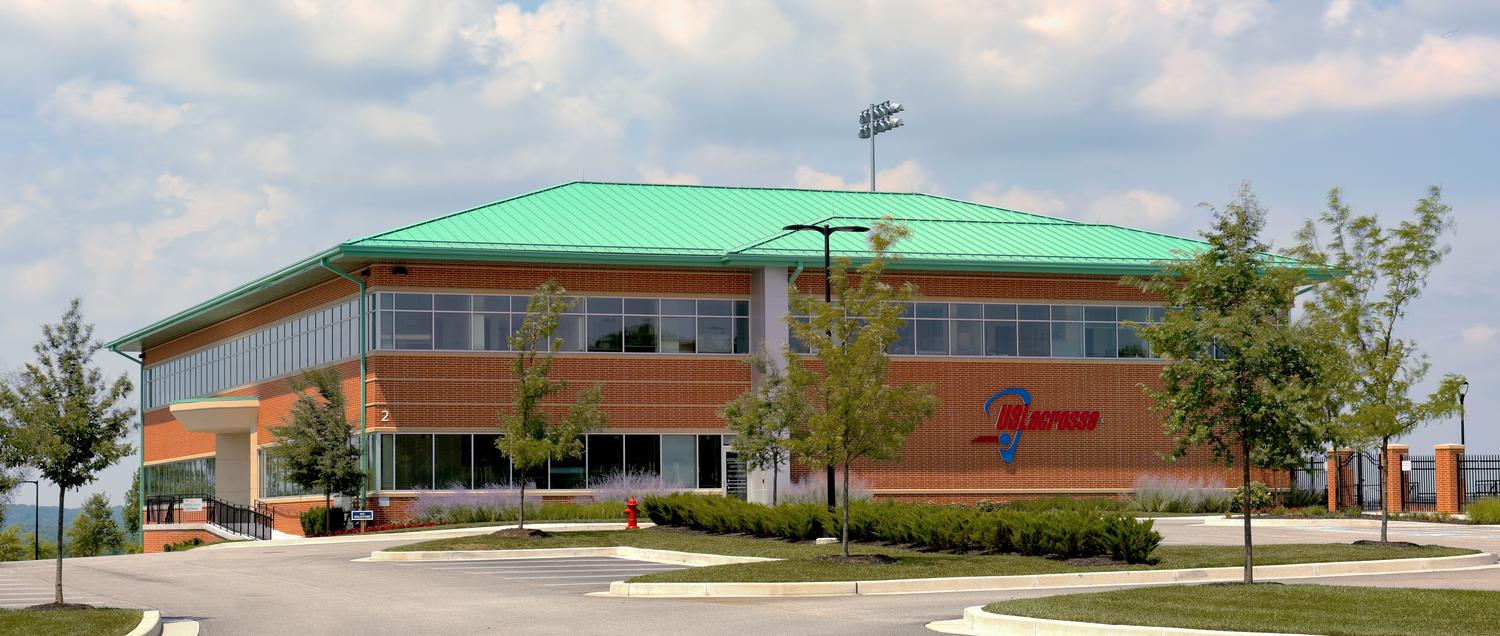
x: 321, y: 589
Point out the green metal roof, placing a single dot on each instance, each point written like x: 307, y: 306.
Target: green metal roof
x: 706, y: 226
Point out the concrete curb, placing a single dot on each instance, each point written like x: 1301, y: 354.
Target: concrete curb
x: 625, y: 552
x: 1334, y: 522
x: 150, y: 624
x: 977, y: 622
x: 1031, y: 581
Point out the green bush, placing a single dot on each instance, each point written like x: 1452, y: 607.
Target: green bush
x: 1158, y: 494
x: 1303, y: 498
x: 313, y: 521
x: 185, y: 544
x: 1063, y: 533
x: 1486, y: 511
x: 1260, y: 497
x: 1090, y: 504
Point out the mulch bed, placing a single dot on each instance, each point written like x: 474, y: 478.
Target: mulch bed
x: 1093, y: 561
x: 523, y: 533
x: 59, y: 607
x: 1390, y: 544
x: 857, y: 559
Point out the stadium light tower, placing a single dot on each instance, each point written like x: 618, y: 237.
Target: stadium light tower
x: 876, y: 119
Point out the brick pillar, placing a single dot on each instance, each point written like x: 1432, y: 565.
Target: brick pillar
x: 1338, y: 471
x: 1450, y: 487
x: 1394, y: 484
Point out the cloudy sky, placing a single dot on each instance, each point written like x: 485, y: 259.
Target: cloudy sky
x: 157, y: 153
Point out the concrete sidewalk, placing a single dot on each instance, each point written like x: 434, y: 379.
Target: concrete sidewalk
x: 413, y: 536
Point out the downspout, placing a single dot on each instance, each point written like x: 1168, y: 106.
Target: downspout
x: 795, y: 273
x: 364, y: 406
x: 140, y: 483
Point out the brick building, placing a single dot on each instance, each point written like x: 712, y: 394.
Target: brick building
x: 1022, y: 319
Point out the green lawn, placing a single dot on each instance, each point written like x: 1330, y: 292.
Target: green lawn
x: 1302, y: 609
x: 94, y: 622
x: 797, y: 563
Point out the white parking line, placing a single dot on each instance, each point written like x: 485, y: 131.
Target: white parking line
x: 575, y: 576
x: 568, y: 569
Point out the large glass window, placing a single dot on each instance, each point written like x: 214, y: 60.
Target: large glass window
x: 491, y: 467
x: 643, y: 454
x: 679, y: 460
x: 710, y: 458
x: 186, y: 477
x: 606, y: 457
x: 413, y: 462
x: 273, y: 479
x: 1003, y: 329
x: 314, y: 339
x: 452, y: 460
x: 567, y: 473
x: 479, y: 322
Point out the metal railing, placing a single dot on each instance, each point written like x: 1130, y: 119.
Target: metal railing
x: 1358, y: 481
x: 1478, y: 477
x: 1419, y: 485
x: 244, y: 520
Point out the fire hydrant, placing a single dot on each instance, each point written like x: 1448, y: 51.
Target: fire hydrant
x: 631, y: 510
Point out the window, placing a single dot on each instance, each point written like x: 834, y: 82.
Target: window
x: 186, y: 477
x: 643, y: 454
x: 274, y: 481
x: 710, y: 458
x: 566, y: 473
x: 413, y: 462
x: 679, y: 461
x: 491, y: 467
x: 606, y: 454
x: 604, y: 333
x: 452, y: 460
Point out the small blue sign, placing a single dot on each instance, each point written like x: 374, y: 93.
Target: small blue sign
x: 362, y: 515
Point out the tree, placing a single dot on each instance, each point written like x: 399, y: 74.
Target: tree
x: 94, y: 531
x: 763, y: 418
x: 859, y: 415
x: 46, y: 550
x: 61, y: 417
x: 1236, y: 371
x: 132, y: 511
x: 1384, y: 272
x: 314, y: 447
x: 11, y: 546
x: 528, y: 434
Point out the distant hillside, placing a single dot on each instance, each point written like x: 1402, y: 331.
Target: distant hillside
x: 22, y: 515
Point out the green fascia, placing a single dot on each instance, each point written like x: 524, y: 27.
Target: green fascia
x: 229, y: 296
x: 216, y: 399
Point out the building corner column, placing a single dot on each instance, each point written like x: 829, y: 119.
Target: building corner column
x: 1450, y: 482
x: 769, y: 304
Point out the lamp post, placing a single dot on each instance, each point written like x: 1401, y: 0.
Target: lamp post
x: 36, y: 518
x: 1463, y: 389
x: 875, y: 120
x: 827, y: 232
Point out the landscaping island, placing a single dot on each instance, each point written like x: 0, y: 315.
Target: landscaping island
x: 1295, y: 609
x: 68, y: 622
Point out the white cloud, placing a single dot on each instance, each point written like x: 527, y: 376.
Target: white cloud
x: 907, y: 176
x: 1018, y: 198
x: 1435, y: 70
x: 657, y: 174
x: 400, y: 126
x: 1138, y: 208
x: 1337, y: 13
x: 1479, y: 334
x: 82, y: 101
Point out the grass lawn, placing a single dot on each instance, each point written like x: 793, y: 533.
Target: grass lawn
x: 94, y: 622
x: 799, y: 566
x: 1300, y: 609
x: 480, y: 524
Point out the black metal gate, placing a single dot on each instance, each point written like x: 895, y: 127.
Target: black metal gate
x: 1308, y: 484
x: 1419, y: 485
x: 1479, y: 477
x: 1359, y: 481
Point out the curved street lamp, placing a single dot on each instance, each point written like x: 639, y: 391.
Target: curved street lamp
x: 827, y: 231
x: 1463, y: 389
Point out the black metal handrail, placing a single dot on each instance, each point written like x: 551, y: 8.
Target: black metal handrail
x: 244, y: 520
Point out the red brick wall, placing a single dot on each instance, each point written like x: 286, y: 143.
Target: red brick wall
x: 156, y: 539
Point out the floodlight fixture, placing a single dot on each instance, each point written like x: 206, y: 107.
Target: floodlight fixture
x: 876, y: 119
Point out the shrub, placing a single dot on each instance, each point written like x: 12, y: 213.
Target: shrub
x: 1486, y: 511
x: 504, y: 505
x: 1090, y: 504
x: 1060, y: 533
x: 1303, y: 498
x: 813, y: 489
x: 313, y: 521
x: 1159, y: 494
x: 1260, y: 497
x: 185, y: 544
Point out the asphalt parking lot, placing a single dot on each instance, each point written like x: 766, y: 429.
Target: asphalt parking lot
x: 22, y: 591
x: 571, y: 576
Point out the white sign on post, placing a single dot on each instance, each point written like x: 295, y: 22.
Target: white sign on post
x: 1406, y: 465
x: 192, y: 504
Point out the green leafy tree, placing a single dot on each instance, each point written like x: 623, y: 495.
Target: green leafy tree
x: 1236, y: 370
x: 1384, y: 272
x: 46, y: 550
x: 12, y: 547
x: 132, y: 511
x: 763, y: 418
x: 528, y: 434
x: 61, y: 417
x: 94, y: 530
x: 314, y: 447
x: 859, y: 415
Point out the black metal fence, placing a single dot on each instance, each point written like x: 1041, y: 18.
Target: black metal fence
x: 1309, y: 484
x: 1419, y: 485
x: 1358, y: 483
x: 241, y: 519
x: 1479, y: 476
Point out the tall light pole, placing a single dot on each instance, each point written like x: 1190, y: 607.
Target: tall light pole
x: 1463, y: 389
x: 875, y: 120
x: 36, y: 518
x: 827, y: 232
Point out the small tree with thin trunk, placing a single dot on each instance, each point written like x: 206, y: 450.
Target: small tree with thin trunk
x: 1237, y: 373
x: 528, y: 434
x: 132, y: 512
x: 858, y: 414
x: 314, y: 447
x: 61, y: 417
x: 763, y: 418
x: 1384, y: 273
x: 94, y: 531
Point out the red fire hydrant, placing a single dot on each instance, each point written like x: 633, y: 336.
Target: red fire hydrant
x: 631, y: 509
